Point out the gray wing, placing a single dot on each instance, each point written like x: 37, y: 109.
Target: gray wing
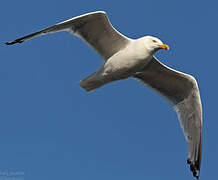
x: 181, y: 90
x: 93, y: 28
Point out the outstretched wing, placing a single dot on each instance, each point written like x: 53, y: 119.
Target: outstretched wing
x: 93, y: 28
x: 181, y: 90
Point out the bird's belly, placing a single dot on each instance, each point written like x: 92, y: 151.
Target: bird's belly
x: 124, y: 66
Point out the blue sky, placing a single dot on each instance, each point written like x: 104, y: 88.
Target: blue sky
x: 52, y: 129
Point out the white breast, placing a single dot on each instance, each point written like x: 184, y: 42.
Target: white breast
x: 133, y: 58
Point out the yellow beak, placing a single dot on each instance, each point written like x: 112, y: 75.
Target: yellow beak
x: 164, y: 46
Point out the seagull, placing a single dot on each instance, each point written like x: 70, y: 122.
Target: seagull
x: 124, y: 57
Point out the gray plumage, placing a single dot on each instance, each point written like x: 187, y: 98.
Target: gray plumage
x: 124, y: 57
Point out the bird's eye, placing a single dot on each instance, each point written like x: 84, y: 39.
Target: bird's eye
x: 154, y: 41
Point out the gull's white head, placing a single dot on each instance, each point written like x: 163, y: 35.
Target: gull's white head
x: 153, y: 44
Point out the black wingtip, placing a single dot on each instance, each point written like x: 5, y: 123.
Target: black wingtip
x: 8, y: 43
x: 195, y: 168
x: 13, y: 42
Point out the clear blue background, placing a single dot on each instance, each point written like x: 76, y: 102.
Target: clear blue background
x: 50, y: 128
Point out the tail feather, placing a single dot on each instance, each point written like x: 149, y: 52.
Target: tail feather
x: 93, y: 81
